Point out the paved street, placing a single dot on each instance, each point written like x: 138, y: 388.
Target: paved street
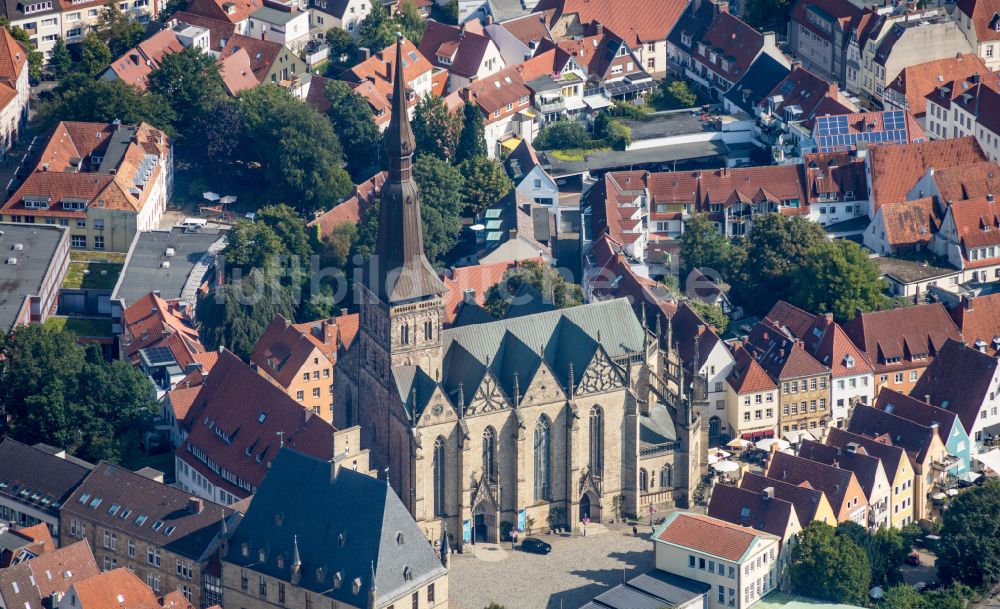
x: 577, y: 570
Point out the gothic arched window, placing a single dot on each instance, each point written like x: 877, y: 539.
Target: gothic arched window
x: 490, y: 453
x: 643, y: 480
x: 428, y: 330
x: 543, y: 442
x: 404, y: 334
x: 439, y: 476
x: 596, y: 441
x: 666, y: 476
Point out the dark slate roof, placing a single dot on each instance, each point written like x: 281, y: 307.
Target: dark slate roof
x: 350, y: 525
x: 156, y: 513
x: 889, y: 455
x: 192, y: 251
x: 36, y: 264
x: 865, y: 467
x: 909, y: 407
x: 762, y: 77
x: 958, y: 380
x: 805, y: 500
x: 833, y: 481
x: 751, y: 509
x: 652, y: 590
x: 912, y: 437
x: 32, y: 476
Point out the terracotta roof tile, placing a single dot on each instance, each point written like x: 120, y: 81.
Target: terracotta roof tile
x: 150, y: 321
x: 979, y: 320
x: 13, y: 56
x: 968, y: 181
x: 896, y: 168
x: 219, y: 30
x: 282, y: 351
x: 915, y: 82
x: 136, y: 64
x: 181, y: 400
x: 378, y: 70
x: 233, y: 11
x: 527, y: 29
x: 636, y: 20
x: 51, y: 573
x: 747, y: 375
x: 351, y: 209
x: 729, y: 38
x: 479, y: 278
x: 978, y: 224
x: 104, y: 590
x: 834, y: 175
x: 780, y: 354
x: 911, y: 223
x: 984, y: 17
x: 903, y: 333
x: 322, y: 333
x: 237, y: 73
x: 804, y: 89
x: 710, y: 535
x: 464, y: 48
x: 261, y: 53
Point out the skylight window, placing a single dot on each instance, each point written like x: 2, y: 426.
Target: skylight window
x: 169, y: 531
x: 114, y: 509
x: 157, y: 525
x: 140, y: 520
x: 125, y: 513
x: 84, y: 497
x: 96, y: 501
x: 262, y: 417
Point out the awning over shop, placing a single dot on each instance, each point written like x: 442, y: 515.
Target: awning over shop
x: 596, y: 102
x: 510, y: 144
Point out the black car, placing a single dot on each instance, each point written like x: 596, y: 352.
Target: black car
x: 535, y: 546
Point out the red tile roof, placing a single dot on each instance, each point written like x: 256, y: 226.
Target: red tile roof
x: 237, y: 73
x: 378, y: 70
x: 959, y: 380
x: 780, y: 354
x: 234, y: 397
x: 915, y: 82
x: 726, y: 186
x: 804, y: 89
x: 478, y: 278
x: 495, y: 92
x: 150, y: 321
x: 984, y: 17
x: 40, y: 535
x: 911, y: 223
x: 261, y: 53
x: 135, y: 66
x: 36, y: 580
x: 979, y: 320
x: 351, y: 209
x: 610, y: 275
x: 729, y: 39
x: 709, y: 535
x: 458, y: 49
x: 747, y: 375
x: 905, y: 333
x: 834, y: 176
x: 527, y: 29
x: 181, y: 400
x: 896, y: 168
x: 233, y: 11
x: 636, y: 20
x: 13, y: 56
x: 978, y: 224
x: 219, y: 30
x: 115, y: 588
x: 282, y: 351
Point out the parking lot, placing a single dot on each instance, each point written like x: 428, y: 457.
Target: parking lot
x: 577, y: 570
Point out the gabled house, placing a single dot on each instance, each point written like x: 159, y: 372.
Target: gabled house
x: 703, y: 353
x: 49, y: 477
x: 464, y: 51
x: 810, y: 504
x: 343, y: 14
x: 378, y: 70
x: 517, y: 39
x: 284, y: 24
x: 751, y: 398
x: 236, y: 12
x: 895, y: 464
x: 14, y: 90
x: 644, y: 26
x: 922, y: 444
x: 962, y: 107
x: 851, y: 374
x: 966, y: 381
x: 904, y: 227
x: 270, y: 62
x: 351, y: 209
x: 835, y: 187
x: 914, y: 82
x: 610, y: 66
x: 37, y: 582
x: 840, y: 485
x: 758, y: 510
x: 947, y: 422
x: 979, y: 20
x: 901, y: 343
x: 531, y: 180
x: 978, y: 319
x: 868, y: 471
x: 969, y: 237
x: 135, y: 66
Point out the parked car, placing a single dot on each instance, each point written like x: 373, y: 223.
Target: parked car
x: 913, y: 559
x: 535, y: 546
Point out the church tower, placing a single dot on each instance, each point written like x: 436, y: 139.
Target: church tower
x: 402, y: 306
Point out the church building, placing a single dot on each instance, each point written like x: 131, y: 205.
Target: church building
x: 532, y: 422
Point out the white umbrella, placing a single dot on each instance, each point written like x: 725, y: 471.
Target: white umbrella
x: 876, y: 593
x: 969, y: 477
x: 938, y: 496
x: 725, y: 467
x: 767, y: 443
x: 228, y: 199
x: 211, y: 196
x: 739, y: 444
x: 951, y: 492
x: 716, y: 454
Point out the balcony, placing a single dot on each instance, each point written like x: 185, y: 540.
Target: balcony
x: 551, y: 105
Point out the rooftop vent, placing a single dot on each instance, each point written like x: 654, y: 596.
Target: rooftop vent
x: 165, y: 264
x: 170, y: 251
x: 12, y: 260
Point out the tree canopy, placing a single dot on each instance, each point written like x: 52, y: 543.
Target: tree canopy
x: 562, y: 135
x: 969, y: 550
x: 84, y: 99
x: 703, y: 246
x: 95, y: 55
x: 767, y: 15
x: 342, y: 45
x: 191, y: 83
x: 237, y: 313
x: 837, y: 277
x: 354, y: 124
x: 541, y: 276
x: 828, y: 566
x: 376, y: 31
x: 435, y: 129
x: 60, y: 60
x: 486, y: 182
x: 117, y: 29
x: 472, y: 139
x: 56, y: 391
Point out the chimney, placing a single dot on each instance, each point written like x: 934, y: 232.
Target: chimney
x: 600, y: 29
x: 966, y: 302
x: 364, y: 54
x: 927, y: 398
x: 852, y: 447
x: 195, y: 505
x: 768, y: 493
x: 469, y: 295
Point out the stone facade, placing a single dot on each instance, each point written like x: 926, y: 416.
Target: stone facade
x: 805, y: 404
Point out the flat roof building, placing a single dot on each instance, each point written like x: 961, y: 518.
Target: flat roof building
x: 34, y: 263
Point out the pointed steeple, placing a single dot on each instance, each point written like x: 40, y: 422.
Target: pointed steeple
x: 296, y: 561
x: 445, y: 547
x: 403, y: 272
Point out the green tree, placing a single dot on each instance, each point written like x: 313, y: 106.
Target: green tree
x: 562, y: 135
x: 887, y: 550
x: 55, y: 391
x: 486, y: 182
x: 117, y: 29
x: 451, y: 12
x: 472, y: 140
x: 703, y: 246
x: 409, y: 21
x: 95, y: 55
x: 289, y: 228
x: 839, y: 277
x: 969, y: 550
x: 83, y: 99
x: 956, y: 596
x: 712, y: 314
x: 828, y: 566
x: 190, y: 81
x: 903, y: 596
x: 295, y: 147
x: 169, y: 8
x: 435, y: 129
x: 235, y: 314
x: 342, y: 45
x: 772, y: 253
x: 376, y: 31
x: 441, y: 205
x: 355, y: 127
x: 35, y: 58
x: 60, y: 60
x: 220, y: 130
x: 335, y: 249
x: 252, y: 245
x: 545, y: 279
x: 680, y: 94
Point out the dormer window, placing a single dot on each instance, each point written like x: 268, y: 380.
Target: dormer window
x: 848, y: 362
x: 685, y: 39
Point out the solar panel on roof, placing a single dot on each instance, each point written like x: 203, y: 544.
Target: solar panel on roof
x: 158, y: 356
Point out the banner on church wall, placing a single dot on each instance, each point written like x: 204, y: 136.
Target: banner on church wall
x: 522, y: 520
x: 467, y: 531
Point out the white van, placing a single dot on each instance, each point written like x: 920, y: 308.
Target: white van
x: 193, y: 224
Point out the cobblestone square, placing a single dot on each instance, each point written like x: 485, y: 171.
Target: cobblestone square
x: 578, y: 569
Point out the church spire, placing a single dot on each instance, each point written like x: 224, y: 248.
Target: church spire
x: 403, y: 271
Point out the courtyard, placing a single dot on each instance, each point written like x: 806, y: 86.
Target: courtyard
x: 578, y: 569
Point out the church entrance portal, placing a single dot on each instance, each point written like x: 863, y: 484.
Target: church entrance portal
x: 590, y: 508
x: 484, y: 524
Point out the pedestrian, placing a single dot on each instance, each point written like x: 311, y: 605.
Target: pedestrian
x: 635, y: 531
